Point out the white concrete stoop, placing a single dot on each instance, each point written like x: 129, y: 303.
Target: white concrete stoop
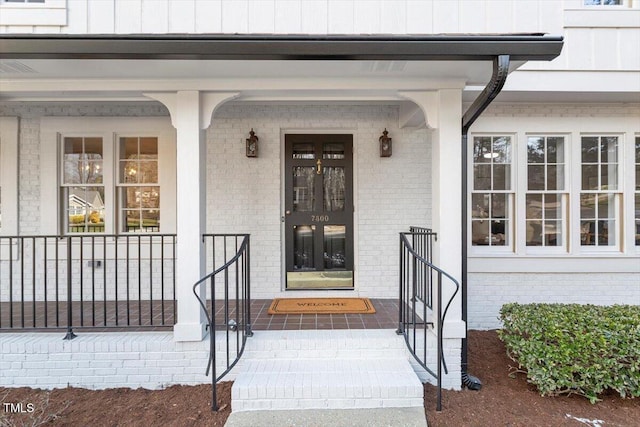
x: 336, y: 369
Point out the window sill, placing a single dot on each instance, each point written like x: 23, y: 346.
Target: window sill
x: 552, y: 263
x: 51, y: 12
x: 491, y: 251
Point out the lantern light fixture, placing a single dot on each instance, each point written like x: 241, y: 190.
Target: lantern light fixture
x: 385, y: 144
x: 252, y: 144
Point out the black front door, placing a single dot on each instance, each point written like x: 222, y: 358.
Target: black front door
x: 319, y: 211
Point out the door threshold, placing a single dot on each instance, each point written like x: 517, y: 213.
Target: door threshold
x: 320, y: 289
x: 320, y: 280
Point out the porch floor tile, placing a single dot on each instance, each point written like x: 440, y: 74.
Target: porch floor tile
x: 149, y: 316
x: 385, y: 317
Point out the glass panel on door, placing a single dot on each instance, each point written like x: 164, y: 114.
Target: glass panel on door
x: 333, y: 151
x: 334, y: 246
x: 304, y: 182
x: 304, y: 151
x: 333, y: 188
x: 303, y: 258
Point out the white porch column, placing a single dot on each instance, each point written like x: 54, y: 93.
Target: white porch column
x: 447, y: 199
x: 443, y: 113
x: 191, y: 113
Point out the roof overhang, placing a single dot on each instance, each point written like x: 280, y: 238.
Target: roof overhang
x: 55, y: 67
x: 281, y: 47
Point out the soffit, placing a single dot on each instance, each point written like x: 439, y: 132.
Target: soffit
x: 255, y: 79
x: 259, y: 66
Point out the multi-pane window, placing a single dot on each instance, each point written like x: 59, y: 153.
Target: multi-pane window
x: 492, y: 194
x: 138, y: 185
x: 82, y: 184
x: 600, y: 190
x: 88, y: 190
x: 637, y: 192
x: 545, y: 197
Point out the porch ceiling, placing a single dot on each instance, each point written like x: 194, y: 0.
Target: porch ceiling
x: 262, y: 67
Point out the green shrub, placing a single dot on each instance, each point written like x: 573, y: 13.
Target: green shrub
x: 76, y: 219
x: 572, y: 348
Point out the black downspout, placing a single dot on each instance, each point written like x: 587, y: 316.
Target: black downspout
x: 493, y: 88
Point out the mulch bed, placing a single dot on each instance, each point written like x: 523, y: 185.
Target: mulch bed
x: 174, y: 406
x: 503, y: 401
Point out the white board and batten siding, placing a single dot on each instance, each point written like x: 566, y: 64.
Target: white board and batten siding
x: 299, y: 16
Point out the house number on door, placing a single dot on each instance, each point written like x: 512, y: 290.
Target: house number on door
x: 320, y: 218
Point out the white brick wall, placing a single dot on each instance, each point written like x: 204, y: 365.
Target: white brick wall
x: 577, y: 276
x: 451, y: 350
x: 96, y: 361
x: 30, y: 208
x: 153, y: 360
x: 29, y: 161
x: 244, y: 195
x: 29, y: 144
x: 500, y: 109
x: 487, y: 292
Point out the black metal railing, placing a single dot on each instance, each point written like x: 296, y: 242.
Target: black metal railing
x: 422, y: 240
x: 93, y: 282
x: 422, y: 304
x: 225, y: 298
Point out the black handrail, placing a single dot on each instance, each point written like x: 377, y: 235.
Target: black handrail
x: 416, y: 286
x: 422, y: 243
x: 88, y: 281
x: 219, y: 318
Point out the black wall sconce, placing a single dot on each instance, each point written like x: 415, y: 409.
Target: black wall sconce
x: 385, y: 144
x: 252, y: 144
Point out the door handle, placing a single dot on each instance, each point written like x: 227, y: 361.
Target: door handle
x: 287, y: 212
x: 319, y: 167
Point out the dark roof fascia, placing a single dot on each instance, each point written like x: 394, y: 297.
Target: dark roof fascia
x: 526, y: 47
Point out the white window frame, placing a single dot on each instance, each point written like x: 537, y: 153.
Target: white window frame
x: 636, y: 192
x: 522, y: 165
x: 576, y: 258
x: 51, y: 12
x: 119, y: 186
x: 9, y: 130
x: 109, y: 128
x: 508, y: 248
x: 107, y: 153
x: 618, y: 195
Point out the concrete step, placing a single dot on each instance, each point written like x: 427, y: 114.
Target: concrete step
x: 325, y: 344
x: 337, y: 369
x: 326, y: 384
x: 379, y: 417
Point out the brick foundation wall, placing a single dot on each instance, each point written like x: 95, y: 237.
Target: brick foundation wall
x: 150, y: 360
x: 489, y: 291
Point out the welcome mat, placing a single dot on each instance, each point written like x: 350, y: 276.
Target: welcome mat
x: 321, y: 306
